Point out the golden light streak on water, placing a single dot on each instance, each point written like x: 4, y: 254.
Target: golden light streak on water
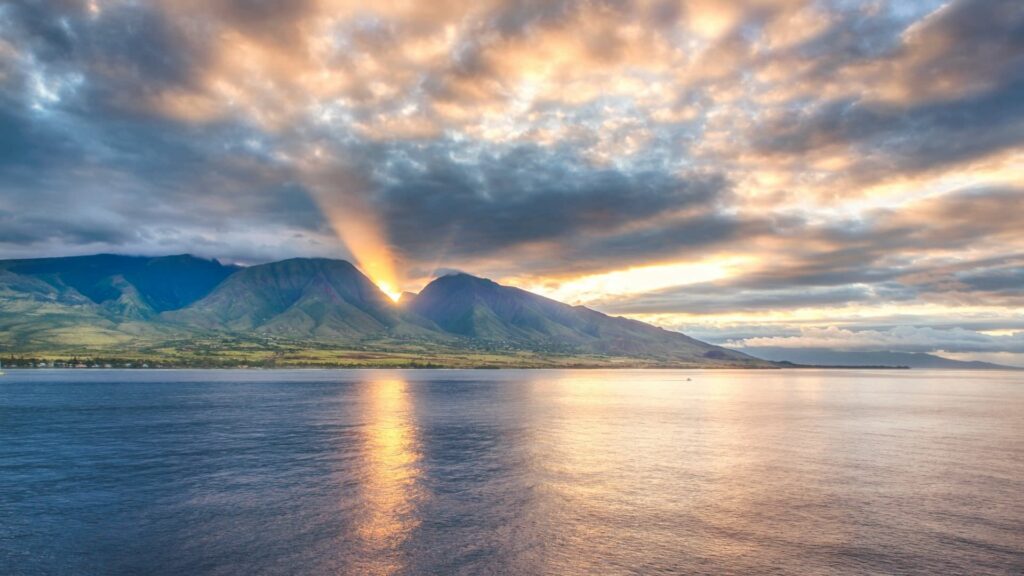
x: 391, y: 464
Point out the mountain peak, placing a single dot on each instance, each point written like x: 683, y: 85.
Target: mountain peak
x: 454, y: 279
x: 482, y: 309
x: 316, y: 262
x: 459, y: 276
x: 321, y: 297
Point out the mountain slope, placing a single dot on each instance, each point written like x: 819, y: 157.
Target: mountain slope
x: 97, y: 301
x: 484, y: 310
x: 300, y: 298
x: 155, y: 284
x: 170, y: 306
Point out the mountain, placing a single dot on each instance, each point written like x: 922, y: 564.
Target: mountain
x: 102, y: 300
x: 183, y: 310
x: 486, y: 311
x: 301, y: 297
x: 826, y: 357
x: 141, y: 284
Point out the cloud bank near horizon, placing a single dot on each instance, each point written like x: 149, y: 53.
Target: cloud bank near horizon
x: 767, y: 165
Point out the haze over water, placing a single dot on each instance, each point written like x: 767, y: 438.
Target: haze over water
x: 511, y: 472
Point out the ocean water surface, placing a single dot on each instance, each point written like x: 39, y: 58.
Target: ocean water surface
x: 511, y: 472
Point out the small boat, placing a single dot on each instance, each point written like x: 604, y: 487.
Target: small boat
x: 1, y: 368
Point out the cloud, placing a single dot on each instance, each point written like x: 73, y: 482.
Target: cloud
x: 712, y: 298
x: 883, y: 138
x: 913, y: 253
x: 852, y: 155
x: 897, y: 339
x: 525, y: 194
x: 996, y: 280
x: 964, y: 47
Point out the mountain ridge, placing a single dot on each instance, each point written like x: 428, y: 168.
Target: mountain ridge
x: 167, y: 305
x: 481, y: 308
x: 91, y: 275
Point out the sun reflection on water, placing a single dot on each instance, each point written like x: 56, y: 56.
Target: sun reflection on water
x: 391, y: 467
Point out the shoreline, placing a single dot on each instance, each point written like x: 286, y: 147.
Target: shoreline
x: 428, y: 368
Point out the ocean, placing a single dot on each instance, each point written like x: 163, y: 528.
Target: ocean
x: 575, y: 472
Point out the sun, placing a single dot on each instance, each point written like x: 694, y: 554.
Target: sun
x: 389, y: 291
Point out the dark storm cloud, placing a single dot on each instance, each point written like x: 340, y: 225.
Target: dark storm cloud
x: 681, y: 238
x: 972, y: 41
x: 906, y: 139
x: 22, y: 229
x: 516, y: 18
x: 1003, y: 281
x: 963, y: 44
x: 957, y: 91
x: 86, y: 165
x: 140, y: 174
x: 525, y: 194
x: 25, y: 144
x: 132, y: 51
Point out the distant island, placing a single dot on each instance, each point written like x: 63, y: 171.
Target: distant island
x: 182, y: 311
x: 825, y: 358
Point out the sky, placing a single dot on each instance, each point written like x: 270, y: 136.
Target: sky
x: 787, y: 173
